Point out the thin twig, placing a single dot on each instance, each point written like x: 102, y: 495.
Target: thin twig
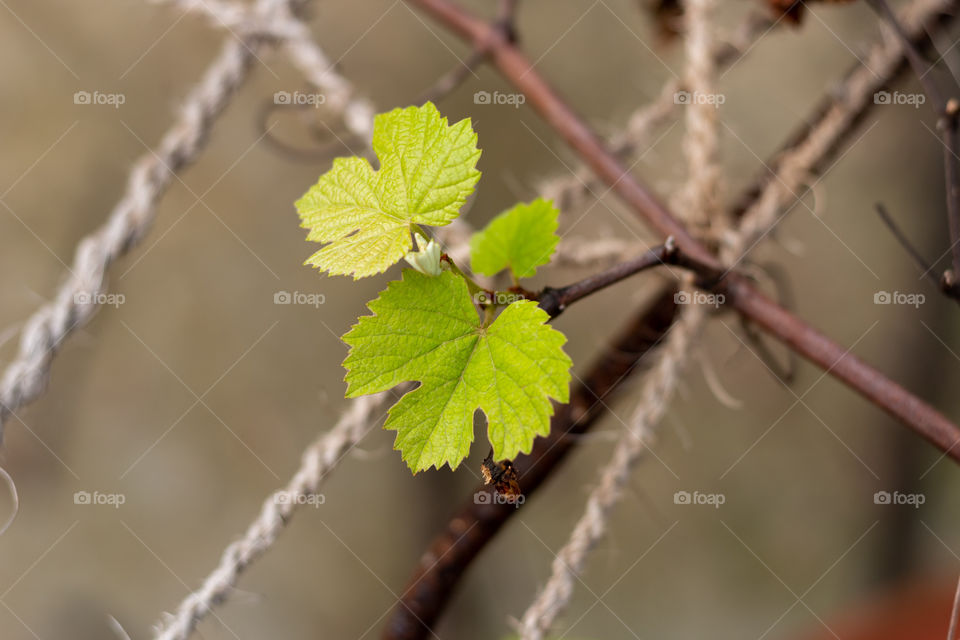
x: 452, y: 79
x: 555, y: 300
x: 947, y: 111
x: 448, y: 82
x: 905, y: 243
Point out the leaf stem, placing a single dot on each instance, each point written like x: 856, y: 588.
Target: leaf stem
x: 471, y: 283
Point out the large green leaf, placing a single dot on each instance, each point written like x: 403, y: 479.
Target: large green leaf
x: 364, y: 216
x: 427, y: 329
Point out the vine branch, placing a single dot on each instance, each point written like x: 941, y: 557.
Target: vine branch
x: 555, y: 300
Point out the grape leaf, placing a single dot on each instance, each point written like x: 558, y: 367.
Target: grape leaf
x: 426, y: 329
x: 364, y: 216
x: 521, y: 238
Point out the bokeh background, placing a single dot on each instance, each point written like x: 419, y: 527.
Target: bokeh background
x: 799, y: 540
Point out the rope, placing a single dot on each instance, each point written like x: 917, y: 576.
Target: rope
x: 796, y: 167
x: 319, y: 459
x: 303, y: 51
x: 700, y: 198
x: 573, y: 191
x: 699, y: 207
x: 25, y: 379
x: 655, y: 396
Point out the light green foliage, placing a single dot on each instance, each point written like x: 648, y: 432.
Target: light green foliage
x: 364, y: 217
x: 427, y: 329
x: 521, y: 238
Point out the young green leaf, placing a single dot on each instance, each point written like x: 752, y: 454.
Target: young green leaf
x: 521, y: 238
x: 364, y: 216
x: 426, y: 328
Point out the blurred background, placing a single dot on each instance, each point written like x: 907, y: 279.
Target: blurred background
x: 194, y: 398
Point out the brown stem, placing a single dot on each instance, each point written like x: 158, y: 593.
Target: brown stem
x: 468, y: 532
x: 555, y: 300
x: 910, y: 410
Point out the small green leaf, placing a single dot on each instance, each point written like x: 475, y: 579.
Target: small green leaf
x: 427, y: 329
x: 521, y: 238
x: 364, y: 217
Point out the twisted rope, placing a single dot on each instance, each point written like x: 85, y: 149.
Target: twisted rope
x: 699, y: 207
x: 573, y: 191
x: 25, y: 379
x: 796, y: 167
x: 700, y: 199
x: 304, y: 53
x: 319, y: 459
x: 658, y: 389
